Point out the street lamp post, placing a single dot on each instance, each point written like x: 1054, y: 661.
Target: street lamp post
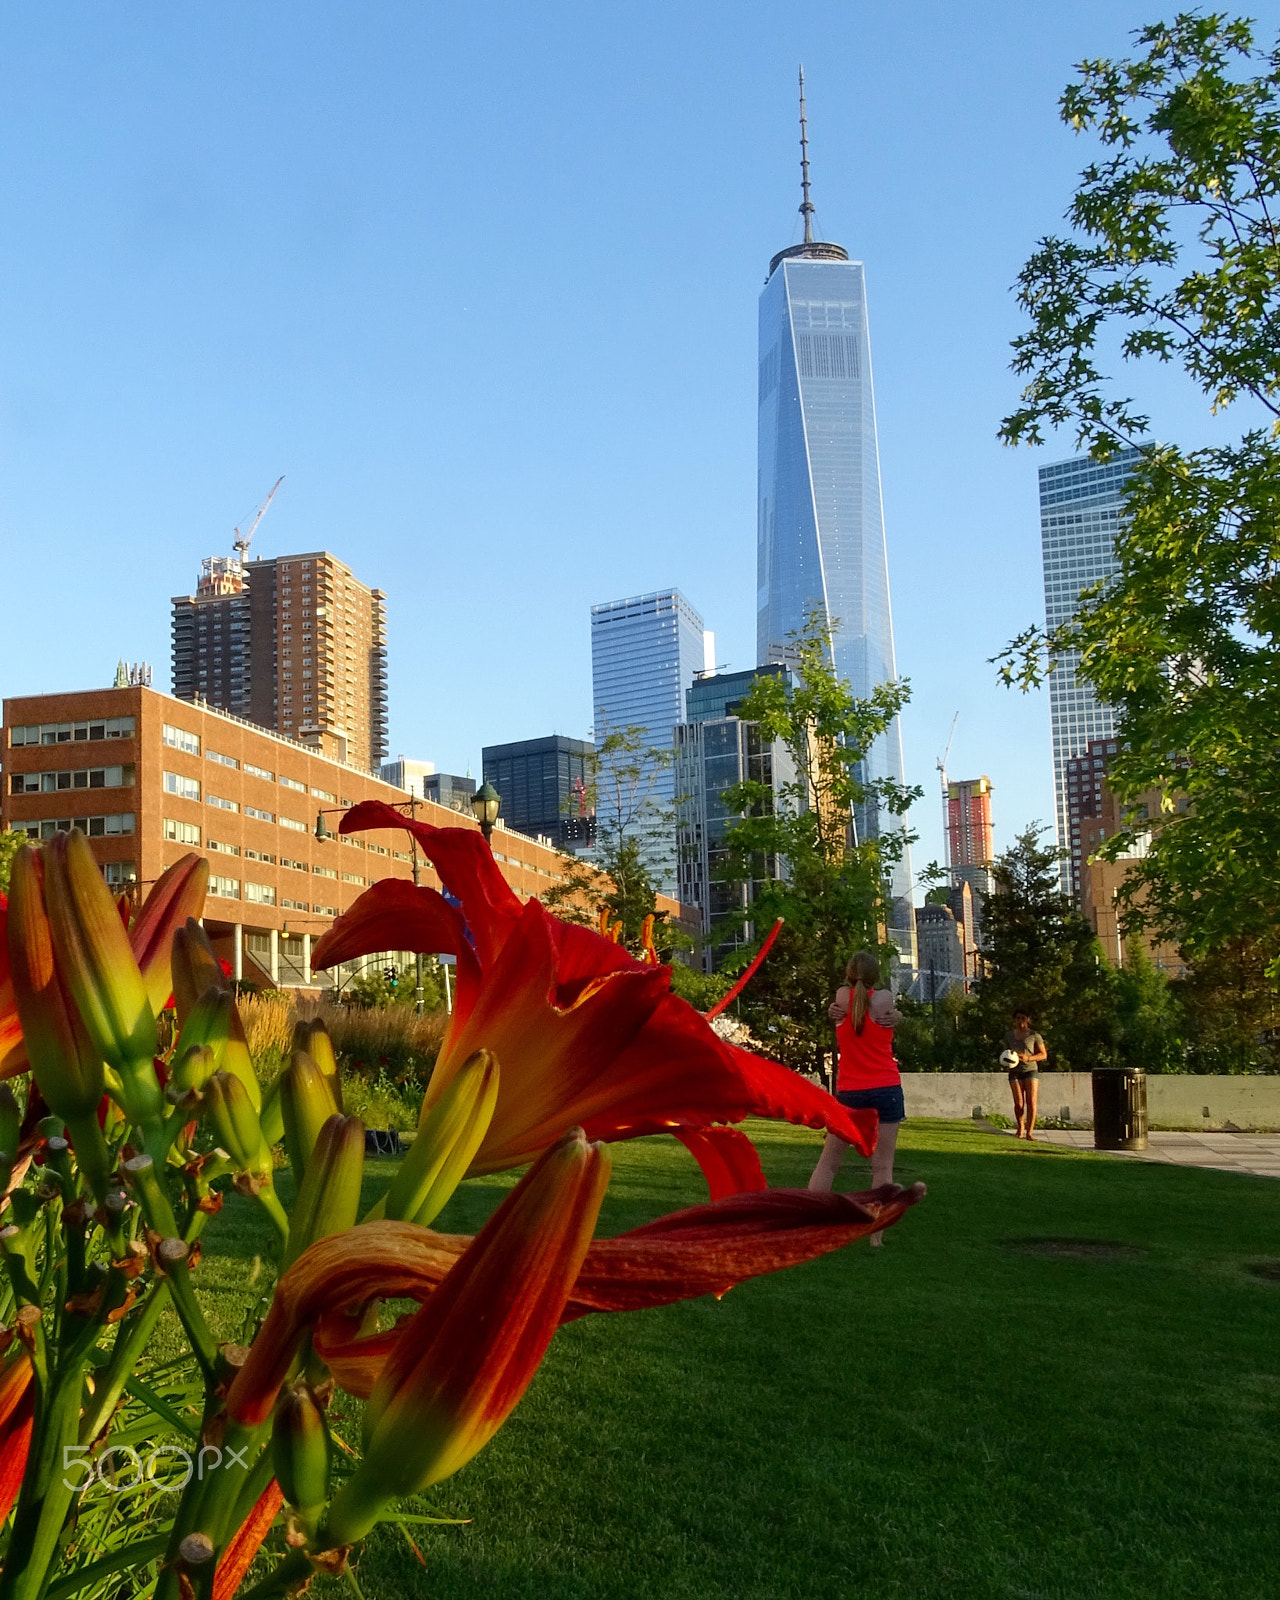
x: 486, y: 802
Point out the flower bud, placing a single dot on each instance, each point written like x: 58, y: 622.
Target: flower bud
x: 194, y: 1067
x: 177, y: 894
x: 98, y: 968
x: 329, y: 1195
x: 66, y: 1065
x: 214, y: 1021
x: 446, y: 1143
x: 306, y: 1103
x: 313, y: 1037
x: 195, y: 968
x: 300, y: 1451
x: 464, y: 1360
x: 235, y: 1123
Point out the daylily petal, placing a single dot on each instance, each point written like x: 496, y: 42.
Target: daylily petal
x: 17, y: 1416
x: 702, y: 1250
x: 729, y: 1160
x: 245, y: 1543
x: 395, y: 915
x: 466, y: 867
x: 178, y: 893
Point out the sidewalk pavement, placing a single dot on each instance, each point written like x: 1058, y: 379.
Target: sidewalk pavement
x: 1256, y: 1153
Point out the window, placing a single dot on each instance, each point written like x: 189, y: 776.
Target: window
x: 119, y: 822
x: 224, y: 849
x: 292, y: 783
x: 185, y: 788
x: 259, y: 894
x: 293, y: 905
x: 118, y: 873
x: 323, y: 794
x: 353, y: 877
x: 225, y: 888
x: 181, y: 832
x: 262, y: 816
x: 324, y: 911
x: 260, y: 855
x: 350, y: 840
x: 288, y: 822
x: 259, y: 772
x: 324, y: 872
x: 222, y: 805
x: 180, y: 739
x: 401, y: 855
x: 377, y: 849
x: 295, y: 866
x: 67, y: 732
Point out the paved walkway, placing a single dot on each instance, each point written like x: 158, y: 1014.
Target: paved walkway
x: 1258, y: 1153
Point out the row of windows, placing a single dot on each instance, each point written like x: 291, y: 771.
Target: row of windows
x: 85, y: 778
x: 118, y: 822
x: 188, y: 742
x: 69, y: 732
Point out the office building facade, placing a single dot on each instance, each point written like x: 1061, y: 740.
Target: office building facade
x: 296, y: 644
x: 820, y: 520
x: 715, y: 749
x: 544, y: 786
x: 645, y: 651
x: 446, y: 789
x: 1081, y: 510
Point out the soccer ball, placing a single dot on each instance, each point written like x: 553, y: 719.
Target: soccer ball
x: 1009, y: 1059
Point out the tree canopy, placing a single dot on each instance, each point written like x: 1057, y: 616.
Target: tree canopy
x: 1173, y: 255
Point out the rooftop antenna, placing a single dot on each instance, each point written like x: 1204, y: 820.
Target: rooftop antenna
x: 806, y: 205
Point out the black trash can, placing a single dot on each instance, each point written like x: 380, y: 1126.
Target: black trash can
x: 1120, y: 1108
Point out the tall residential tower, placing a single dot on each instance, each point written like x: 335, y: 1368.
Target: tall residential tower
x: 296, y: 644
x: 820, y: 526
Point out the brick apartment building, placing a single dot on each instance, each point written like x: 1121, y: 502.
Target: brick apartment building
x: 148, y: 778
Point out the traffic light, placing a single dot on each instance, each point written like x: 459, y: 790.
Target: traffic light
x: 391, y: 975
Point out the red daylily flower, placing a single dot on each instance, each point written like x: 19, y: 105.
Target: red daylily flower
x: 584, y: 1034
x: 17, y: 1418
x: 705, y: 1249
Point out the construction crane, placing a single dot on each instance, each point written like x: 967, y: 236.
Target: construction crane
x: 240, y: 544
x: 942, y: 774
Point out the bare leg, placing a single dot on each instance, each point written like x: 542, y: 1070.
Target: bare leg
x: 1018, y: 1102
x: 1032, y: 1090
x: 882, y: 1162
x: 824, y: 1174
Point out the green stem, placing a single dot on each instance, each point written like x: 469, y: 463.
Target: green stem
x: 269, y: 1200
x: 47, y: 1489
x: 131, y: 1341
x: 291, y: 1571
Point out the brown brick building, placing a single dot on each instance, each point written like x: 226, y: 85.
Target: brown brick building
x: 148, y: 778
x: 296, y: 644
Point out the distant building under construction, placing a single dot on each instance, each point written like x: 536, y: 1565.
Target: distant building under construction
x: 295, y: 644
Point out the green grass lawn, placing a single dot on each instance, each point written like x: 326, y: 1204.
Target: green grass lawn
x: 955, y: 1415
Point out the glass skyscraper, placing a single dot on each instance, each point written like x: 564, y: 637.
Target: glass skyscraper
x: 1081, y: 505
x: 820, y: 529
x: 644, y: 653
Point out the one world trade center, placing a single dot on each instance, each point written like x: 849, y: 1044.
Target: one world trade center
x: 820, y: 531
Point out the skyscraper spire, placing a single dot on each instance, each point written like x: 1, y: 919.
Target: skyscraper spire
x: 806, y: 205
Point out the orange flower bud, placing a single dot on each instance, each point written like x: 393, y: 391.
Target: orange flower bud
x: 463, y: 1362
x: 195, y: 968
x: 178, y: 894
x: 306, y: 1103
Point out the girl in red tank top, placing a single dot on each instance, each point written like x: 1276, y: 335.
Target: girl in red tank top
x: 868, y: 1076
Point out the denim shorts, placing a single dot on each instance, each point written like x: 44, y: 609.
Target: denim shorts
x: 887, y: 1101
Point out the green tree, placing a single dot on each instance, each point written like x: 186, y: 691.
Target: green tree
x: 1174, y: 256
x: 1149, y: 1019
x: 1042, y: 957
x: 1229, y: 1013
x: 10, y: 843
x: 795, y: 846
x: 633, y: 839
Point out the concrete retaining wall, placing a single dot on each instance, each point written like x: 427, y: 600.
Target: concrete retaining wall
x: 1173, y: 1100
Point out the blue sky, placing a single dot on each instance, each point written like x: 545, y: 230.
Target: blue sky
x: 482, y: 281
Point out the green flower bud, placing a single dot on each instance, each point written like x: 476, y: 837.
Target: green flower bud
x: 300, y: 1452
x: 235, y: 1123
x: 306, y: 1103
x: 446, y: 1143
x: 329, y: 1197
